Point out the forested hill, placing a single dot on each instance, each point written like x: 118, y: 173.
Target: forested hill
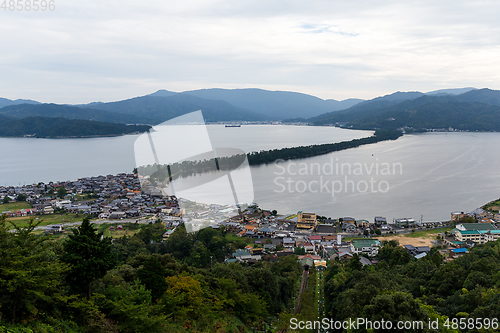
x: 43, y: 127
x: 21, y: 111
x: 276, y: 105
x: 436, y: 115
x: 164, y: 108
x: 476, y: 110
x: 139, y: 282
x: 401, y: 288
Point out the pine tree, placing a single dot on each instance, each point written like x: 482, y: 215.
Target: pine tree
x: 30, y: 274
x: 90, y: 256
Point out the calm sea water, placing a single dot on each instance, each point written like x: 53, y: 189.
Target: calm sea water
x: 28, y: 160
x: 427, y: 175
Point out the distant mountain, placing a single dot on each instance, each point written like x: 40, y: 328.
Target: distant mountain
x: 437, y: 114
x: 163, y: 93
x: 474, y: 110
x: 161, y: 109
x: 486, y: 96
x: 21, y: 111
x: 365, y: 108
x: 42, y: 127
x: 6, y: 102
x: 276, y: 105
x: 455, y: 91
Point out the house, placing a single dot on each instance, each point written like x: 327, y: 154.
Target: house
x: 250, y: 259
x: 369, y: 247
x: 269, y: 247
x: 315, y: 238
x: 412, y: 250
x: 117, y: 215
x: 480, y: 213
x: 349, y: 220
x: 455, y: 253
x: 348, y: 227
x: 486, y: 220
x: 250, y: 227
x: 249, y: 233
x: 239, y: 252
x: 459, y: 250
x: 379, y: 220
x: 362, y: 223
x: 329, y: 238
x: 423, y: 249
x: 257, y: 250
x: 307, y: 246
x: 306, y: 262
x: 267, y: 231
x: 421, y: 255
x: 288, y: 242
x: 306, y: 220
x: 313, y: 257
x: 365, y: 261
x: 284, y: 253
x: 458, y: 215
x: 404, y: 222
x: 345, y: 256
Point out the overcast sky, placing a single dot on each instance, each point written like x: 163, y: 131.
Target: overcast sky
x: 91, y: 50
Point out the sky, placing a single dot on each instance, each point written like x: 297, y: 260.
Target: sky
x: 85, y: 51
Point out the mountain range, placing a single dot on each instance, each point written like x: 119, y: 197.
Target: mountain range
x: 462, y: 108
x: 216, y: 104
x: 474, y: 110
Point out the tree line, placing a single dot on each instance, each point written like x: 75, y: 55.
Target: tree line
x: 228, y: 163
x: 401, y: 287
x: 140, y: 283
x: 44, y: 127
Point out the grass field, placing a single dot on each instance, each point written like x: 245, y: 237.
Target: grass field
x: 237, y: 242
x: 14, y: 206
x: 104, y: 227
x: 428, y: 233
x: 417, y: 238
x: 47, y: 219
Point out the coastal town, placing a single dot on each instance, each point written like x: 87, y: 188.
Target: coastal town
x: 119, y: 199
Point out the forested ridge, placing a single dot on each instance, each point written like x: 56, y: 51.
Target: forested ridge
x: 400, y: 287
x: 139, y: 283
x: 43, y: 127
x: 475, y: 110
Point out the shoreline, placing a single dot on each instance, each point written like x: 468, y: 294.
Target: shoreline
x: 71, y: 137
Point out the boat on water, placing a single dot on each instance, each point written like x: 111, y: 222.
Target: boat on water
x: 233, y: 125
